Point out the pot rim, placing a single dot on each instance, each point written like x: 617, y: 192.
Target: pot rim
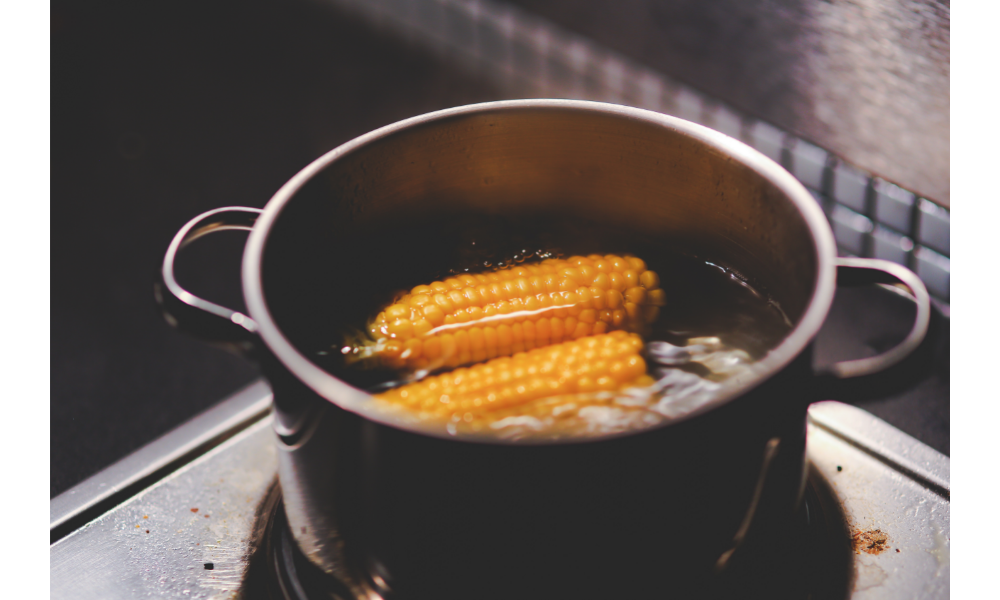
x: 358, y: 401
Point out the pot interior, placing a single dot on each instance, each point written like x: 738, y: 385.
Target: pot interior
x: 383, y: 212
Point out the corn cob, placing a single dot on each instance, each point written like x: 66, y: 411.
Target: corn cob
x: 471, y: 318
x: 570, y: 372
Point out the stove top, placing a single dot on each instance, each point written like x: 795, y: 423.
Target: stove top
x: 196, y: 513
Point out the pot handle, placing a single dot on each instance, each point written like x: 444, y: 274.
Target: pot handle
x: 196, y: 316
x: 898, y: 367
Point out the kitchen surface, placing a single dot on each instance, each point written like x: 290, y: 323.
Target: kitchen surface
x: 161, y: 112
x: 875, y: 525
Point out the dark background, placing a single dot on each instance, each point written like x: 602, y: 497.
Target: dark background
x: 162, y: 111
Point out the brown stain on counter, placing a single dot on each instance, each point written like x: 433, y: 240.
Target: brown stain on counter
x: 870, y: 541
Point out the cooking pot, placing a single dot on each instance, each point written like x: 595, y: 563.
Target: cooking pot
x: 396, y: 510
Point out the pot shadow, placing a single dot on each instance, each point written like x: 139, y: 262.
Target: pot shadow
x: 808, y: 557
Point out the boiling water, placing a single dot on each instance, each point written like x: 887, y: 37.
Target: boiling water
x: 715, y: 326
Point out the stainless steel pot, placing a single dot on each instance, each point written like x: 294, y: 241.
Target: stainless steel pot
x: 396, y: 511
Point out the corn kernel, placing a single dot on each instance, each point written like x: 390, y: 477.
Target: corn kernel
x: 636, y: 295
x: 400, y: 329
x: 613, y: 299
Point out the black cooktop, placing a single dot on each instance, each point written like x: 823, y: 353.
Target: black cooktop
x: 162, y: 111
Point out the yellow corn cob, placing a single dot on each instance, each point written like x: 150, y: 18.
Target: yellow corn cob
x: 567, y: 372
x: 471, y: 318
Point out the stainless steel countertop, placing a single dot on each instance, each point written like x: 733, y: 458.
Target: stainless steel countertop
x: 153, y: 543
